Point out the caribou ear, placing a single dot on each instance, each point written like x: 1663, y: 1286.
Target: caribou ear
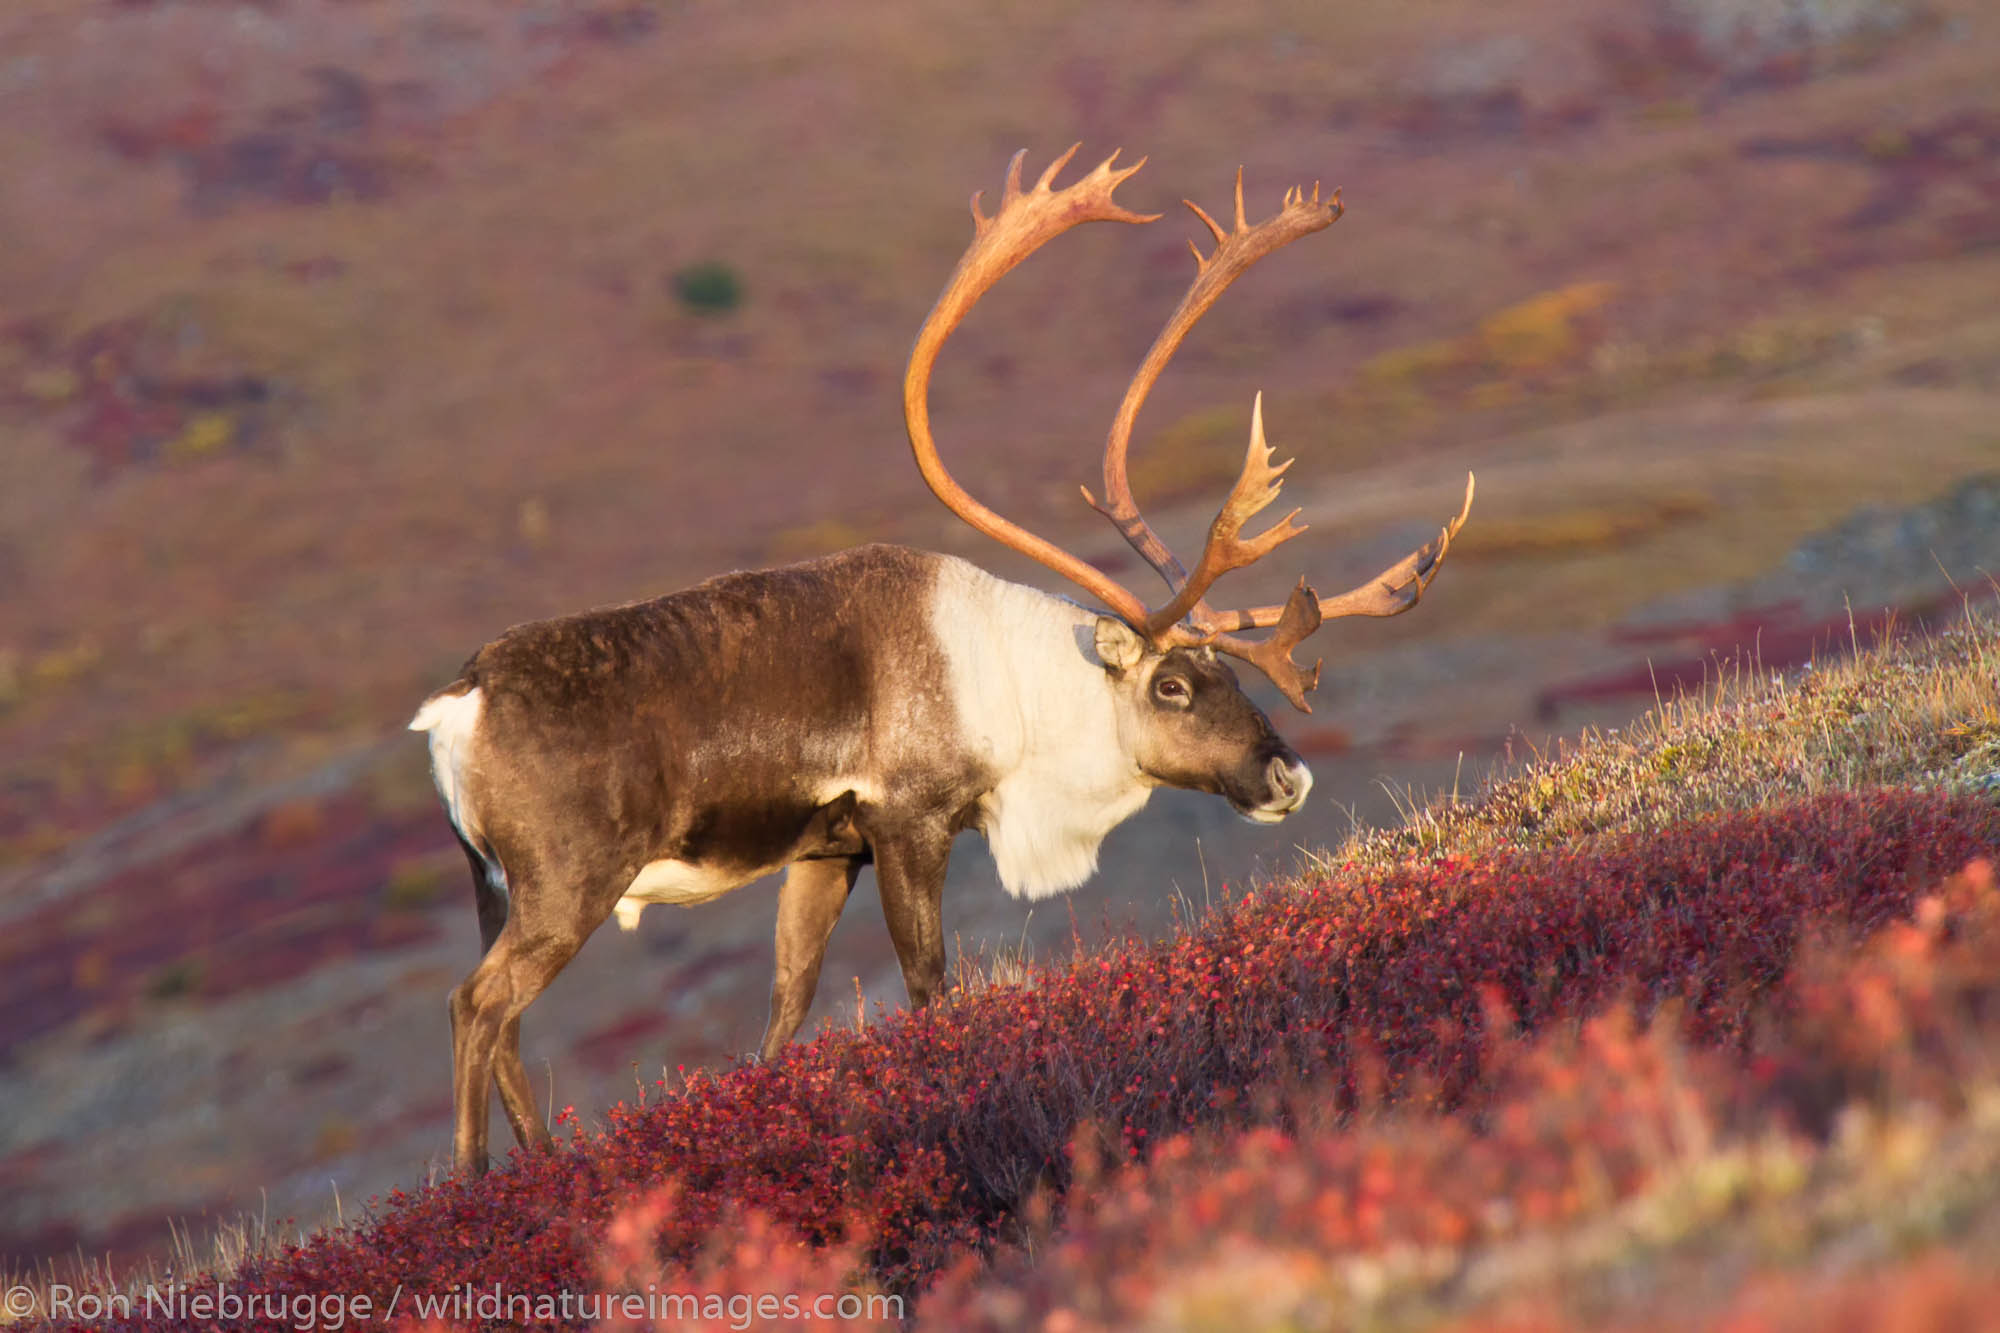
x: 1119, y: 646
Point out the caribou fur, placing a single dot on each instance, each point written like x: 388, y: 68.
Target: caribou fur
x: 865, y: 707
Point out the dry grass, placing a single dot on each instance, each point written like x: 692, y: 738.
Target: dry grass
x: 219, y: 1250
x: 993, y: 964
x: 1919, y: 712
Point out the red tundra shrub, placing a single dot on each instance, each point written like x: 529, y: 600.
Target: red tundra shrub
x: 1335, y: 1223
x: 752, y: 1272
x: 1267, y: 1229
x: 918, y: 1141
x: 1915, y: 1017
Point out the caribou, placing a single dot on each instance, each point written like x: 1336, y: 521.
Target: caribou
x: 869, y: 706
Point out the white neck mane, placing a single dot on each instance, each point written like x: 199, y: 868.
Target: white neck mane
x: 1034, y: 703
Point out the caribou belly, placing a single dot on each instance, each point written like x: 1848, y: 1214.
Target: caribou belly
x: 682, y: 883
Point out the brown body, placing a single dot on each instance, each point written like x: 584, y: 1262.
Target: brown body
x: 867, y: 708
x: 821, y: 716
x: 742, y: 699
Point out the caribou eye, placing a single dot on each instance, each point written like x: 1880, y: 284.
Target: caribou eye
x: 1171, y: 690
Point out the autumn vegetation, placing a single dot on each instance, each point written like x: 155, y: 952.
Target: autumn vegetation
x: 1683, y: 1025
x: 1690, y: 1025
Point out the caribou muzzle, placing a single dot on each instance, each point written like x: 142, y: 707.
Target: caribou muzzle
x: 1274, y: 784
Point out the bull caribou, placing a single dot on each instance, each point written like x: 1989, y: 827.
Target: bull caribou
x: 869, y: 706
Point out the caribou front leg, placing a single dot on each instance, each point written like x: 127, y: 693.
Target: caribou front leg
x: 909, y: 873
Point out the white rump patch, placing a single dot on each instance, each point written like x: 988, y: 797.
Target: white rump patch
x: 452, y: 720
x: 1033, y: 702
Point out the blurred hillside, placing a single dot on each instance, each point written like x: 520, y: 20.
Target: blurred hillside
x: 335, y: 338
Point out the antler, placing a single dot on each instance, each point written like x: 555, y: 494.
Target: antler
x: 1273, y: 656
x: 1390, y: 593
x: 1025, y: 222
x: 1235, y: 252
x: 1029, y: 219
x: 1226, y: 548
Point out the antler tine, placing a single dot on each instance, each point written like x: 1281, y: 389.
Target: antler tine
x: 1226, y: 548
x: 1054, y: 169
x: 1093, y: 190
x: 1011, y: 189
x: 1235, y: 251
x: 1403, y: 584
x: 1026, y: 220
x: 1214, y: 229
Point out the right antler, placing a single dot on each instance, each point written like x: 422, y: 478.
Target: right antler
x: 1026, y: 221
x: 1235, y: 252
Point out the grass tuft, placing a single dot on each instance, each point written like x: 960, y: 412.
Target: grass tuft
x: 1920, y: 713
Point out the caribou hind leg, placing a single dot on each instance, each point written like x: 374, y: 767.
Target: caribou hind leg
x: 516, y: 1096
x: 523, y: 958
x: 809, y: 903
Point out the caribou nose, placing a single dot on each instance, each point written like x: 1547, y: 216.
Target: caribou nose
x: 1290, y: 781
